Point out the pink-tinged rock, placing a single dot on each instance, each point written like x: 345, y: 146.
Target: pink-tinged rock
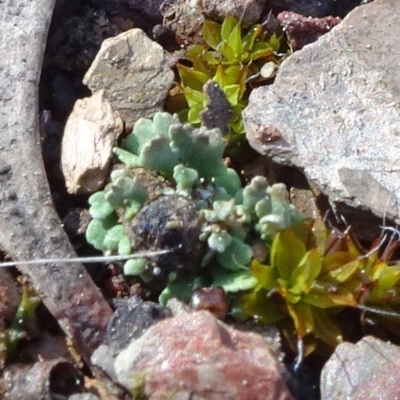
x: 196, y: 355
x: 367, y: 370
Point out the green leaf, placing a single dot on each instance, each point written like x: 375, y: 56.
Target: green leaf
x: 325, y: 329
x: 100, y: 208
x: 228, y: 25
x: 250, y: 37
x: 323, y: 298
x: 113, y: 237
x: 128, y: 158
x: 195, y: 98
x: 232, y: 93
x: 230, y: 181
x: 135, y: 266
x: 302, y: 317
x: 261, y: 50
x: 212, y: 33
x: 237, y: 255
x: 192, y: 78
x: 286, y: 253
x: 97, y: 231
x: 235, y: 41
x: 305, y: 273
x: 261, y: 307
x: 157, y: 156
x: 233, y: 282
x: 227, y: 53
x: 126, y: 189
x: 266, y: 275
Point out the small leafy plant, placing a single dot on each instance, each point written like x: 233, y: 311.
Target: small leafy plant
x: 231, y: 57
x: 186, y: 163
x: 312, y: 276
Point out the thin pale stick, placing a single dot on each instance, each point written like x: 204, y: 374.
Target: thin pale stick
x: 95, y: 259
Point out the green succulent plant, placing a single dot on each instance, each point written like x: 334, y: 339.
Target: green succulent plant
x: 232, y: 218
x: 231, y: 57
x: 311, y: 276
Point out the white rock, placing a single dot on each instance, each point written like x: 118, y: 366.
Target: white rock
x: 90, y: 134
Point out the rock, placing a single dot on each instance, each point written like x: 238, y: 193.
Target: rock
x: 134, y: 74
x: 332, y: 112
x: 10, y: 296
x: 248, y: 11
x: 195, y: 353
x: 367, y: 370
x: 184, y: 19
x: 302, y: 30
x: 56, y: 378
x: 90, y: 134
x: 308, y: 8
x: 131, y: 320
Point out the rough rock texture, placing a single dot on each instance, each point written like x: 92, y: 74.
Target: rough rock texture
x: 29, y: 225
x: 132, y: 70
x: 10, y: 295
x: 308, y: 8
x: 302, y: 30
x: 196, y: 356
x: 131, y: 320
x: 90, y: 134
x: 248, y: 11
x: 42, y: 380
x: 368, y: 370
x: 333, y: 113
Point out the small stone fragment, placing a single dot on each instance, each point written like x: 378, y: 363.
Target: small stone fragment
x: 212, y: 299
x: 218, y: 112
x: 195, y: 353
x: 168, y: 222
x: 90, y: 134
x: 302, y: 30
x: 131, y: 320
x: 246, y: 11
x: 134, y: 74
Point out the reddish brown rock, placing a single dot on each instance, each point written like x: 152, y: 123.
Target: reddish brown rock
x: 195, y: 353
x: 302, y: 30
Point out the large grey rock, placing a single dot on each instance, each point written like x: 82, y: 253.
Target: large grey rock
x: 134, y: 74
x: 333, y: 112
x: 367, y: 370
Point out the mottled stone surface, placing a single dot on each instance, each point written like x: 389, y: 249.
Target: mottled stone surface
x: 91, y: 132
x: 193, y: 354
x: 333, y: 112
x: 133, y: 72
x: 367, y: 370
x: 248, y: 11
